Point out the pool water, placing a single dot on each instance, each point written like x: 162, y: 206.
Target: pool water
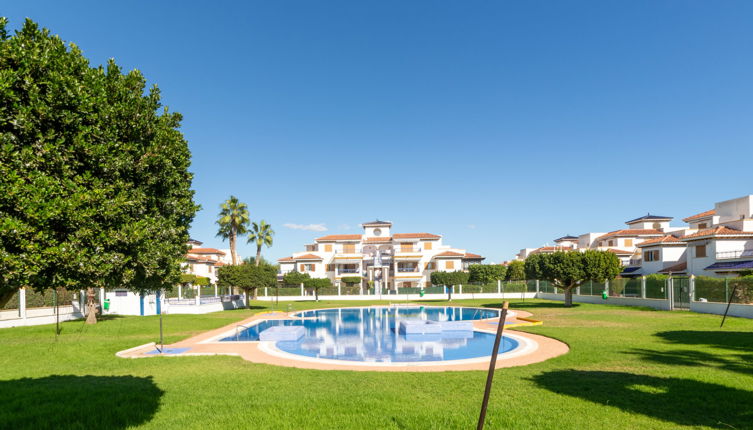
x: 371, y: 334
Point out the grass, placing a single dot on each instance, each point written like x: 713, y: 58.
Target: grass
x: 627, y: 368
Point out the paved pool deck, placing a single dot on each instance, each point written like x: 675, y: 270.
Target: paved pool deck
x: 533, y: 349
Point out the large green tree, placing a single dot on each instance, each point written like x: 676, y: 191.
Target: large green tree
x: 486, y: 273
x: 94, y: 182
x: 247, y: 277
x: 233, y: 221
x: 566, y: 270
x: 516, y: 271
x: 449, y: 280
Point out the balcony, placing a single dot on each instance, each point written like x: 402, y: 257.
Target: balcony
x: 636, y: 262
x: 407, y: 269
x: 732, y: 255
x: 339, y: 271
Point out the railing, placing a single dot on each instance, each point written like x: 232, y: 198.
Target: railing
x: 729, y: 255
x: 347, y: 271
x: 407, y: 250
x: 636, y: 261
x: 408, y: 269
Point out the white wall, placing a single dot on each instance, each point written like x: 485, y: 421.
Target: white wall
x: 735, y: 310
x: 660, y: 304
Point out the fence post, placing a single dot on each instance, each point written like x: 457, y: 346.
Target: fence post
x: 22, y: 303
x: 577, y: 290
x: 643, y: 287
x: 266, y: 293
x: 691, y: 289
x: 215, y: 290
x: 461, y: 288
x: 198, y: 295
x: 180, y: 291
x: 499, y: 286
x: 338, y: 289
x: 726, y: 290
x: 670, y: 292
x: 102, y: 300
x: 302, y: 292
x: 537, y: 285
x: 606, y: 287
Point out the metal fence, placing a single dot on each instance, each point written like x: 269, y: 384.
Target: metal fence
x: 721, y: 290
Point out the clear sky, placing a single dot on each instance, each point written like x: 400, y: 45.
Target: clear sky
x: 498, y: 124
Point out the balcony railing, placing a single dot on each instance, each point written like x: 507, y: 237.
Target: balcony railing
x: 729, y: 255
x: 636, y: 261
x: 347, y: 270
x: 407, y: 269
x: 407, y: 250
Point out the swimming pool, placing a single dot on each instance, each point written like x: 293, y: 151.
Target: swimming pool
x: 378, y: 334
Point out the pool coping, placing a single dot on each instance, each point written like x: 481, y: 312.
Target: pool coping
x: 534, y: 349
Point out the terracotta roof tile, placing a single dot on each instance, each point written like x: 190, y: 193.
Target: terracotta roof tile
x: 552, y: 249
x: 199, y: 259
x: 631, y: 232
x: 415, y: 236
x: 718, y: 231
x: 676, y: 268
x: 701, y: 215
x: 205, y: 251
x: 471, y: 256
x: 449, y: 254
x: 219, y: 264
x: 333, y: 237
x: 307, y: 257
x: 286, y: 259
x: 669, y: 239
x: 377, y: 239
x: 620, y: 251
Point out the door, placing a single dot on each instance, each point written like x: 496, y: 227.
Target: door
x: 681, y: 293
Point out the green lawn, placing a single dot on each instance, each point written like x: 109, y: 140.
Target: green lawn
x: 627, y: 368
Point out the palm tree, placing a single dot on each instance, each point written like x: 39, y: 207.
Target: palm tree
x: 233, y: 221
x: 260, y: 234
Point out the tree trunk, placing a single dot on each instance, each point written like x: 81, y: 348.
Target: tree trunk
x: 316, y: 294
x: 569, y: 297
x: 258, y: 254
x: 233, y: 255
x: 256, y: 292
x: 248, y: 303
x: 91, y: 307
x: 449, y: 293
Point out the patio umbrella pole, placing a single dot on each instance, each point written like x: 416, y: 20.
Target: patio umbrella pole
x: 492, y: 365
x: 731, y: 296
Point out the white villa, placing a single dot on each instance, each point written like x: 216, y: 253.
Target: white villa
x: 717, y: 242
x: 205, y: 261
x: 390, y: 260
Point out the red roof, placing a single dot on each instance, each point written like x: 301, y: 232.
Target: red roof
x: 471, y: 256
x: 333, y: 237
x: 677, y: 268
x: 378, y: 239
x: 205, y: 251
x: 286, y: 259
x: 415, y: 236
x: 718, y: 231
x: 669, y: 239
x: 629, y: 232
x: 701, y: 215
x: 199, y: 259
x: 308, y: 257
x: 219, y: 263
x: 552, y: 249
x: 449, y: 254
x: 620, y: 251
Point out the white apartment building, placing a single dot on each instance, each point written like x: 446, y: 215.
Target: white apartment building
x: 205, y: 261
x: 390, y: 260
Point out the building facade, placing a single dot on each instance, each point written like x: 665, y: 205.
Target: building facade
x: 388, y: 260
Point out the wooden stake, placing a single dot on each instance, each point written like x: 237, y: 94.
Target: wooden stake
x: 492, y: 365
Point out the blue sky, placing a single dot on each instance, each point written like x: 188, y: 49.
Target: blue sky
x: 499, y: 124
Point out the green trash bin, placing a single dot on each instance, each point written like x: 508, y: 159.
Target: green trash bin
x: 604, y: 295
x: 421, y: 293
x: 107, y: 304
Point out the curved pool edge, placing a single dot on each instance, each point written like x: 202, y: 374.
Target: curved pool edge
x: 205, y: 344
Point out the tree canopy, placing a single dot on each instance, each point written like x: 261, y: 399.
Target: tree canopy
x: 568, y: 269
x: 233, y: 221
x: 516, y: 271
x: 317, y: 283
x: 247, y: 277
x: 94, y: 182
x: 295, y: 279
x: 486, y: 273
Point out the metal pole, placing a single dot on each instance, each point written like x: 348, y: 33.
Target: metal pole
x: 161, y: 339
x: 731, y: 296
x: 57, y: 314
x: 492, y: 365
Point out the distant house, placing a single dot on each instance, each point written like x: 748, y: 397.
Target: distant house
x: 392, y: 260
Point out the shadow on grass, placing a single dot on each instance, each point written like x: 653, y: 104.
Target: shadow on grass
x: 675, y: 400
x: 734, y: 340
x: 741, y: 363
x: 530, y: 305
x: 68, y: 401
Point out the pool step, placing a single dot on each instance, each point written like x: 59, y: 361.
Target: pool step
x: 418, y: 326
x: 282, y: 333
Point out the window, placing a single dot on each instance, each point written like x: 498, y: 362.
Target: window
x: 427, y: 246
x: 651, y: 255
x: 450, y: 265
x: 329, y: 267
x: 702, y: 225
x: 407, y: 284
x: 328, y: 248
x: 431, y: 266
x: 121, y: 293
x: 611, y: 243
x: 406, y: 247
x: 303, y: 268
x: 349, y: 249
x: 628, y: 242
x: 700, y: 251
x: 657, y: 225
